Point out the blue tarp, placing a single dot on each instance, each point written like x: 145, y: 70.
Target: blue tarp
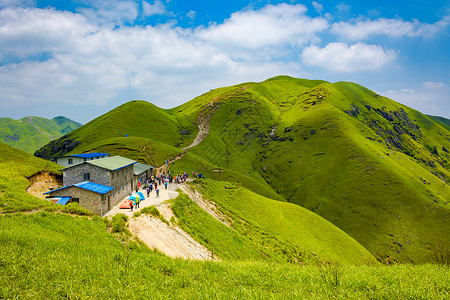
x: 63, y: 200
x: 141, y: 196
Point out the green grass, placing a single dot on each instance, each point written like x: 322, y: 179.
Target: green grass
x: 285, y: 229
x: 376, y: 169
x: 56, y: 256
x: 15, y: 167
x: 217, y: 237
x: 27, y: 137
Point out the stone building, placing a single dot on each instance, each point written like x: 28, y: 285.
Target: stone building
x: 114, y: 173
x: 92, y: 196
x: 142, y: 171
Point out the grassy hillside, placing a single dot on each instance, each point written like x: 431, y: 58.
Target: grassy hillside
x: 369, y: 165
x: 52, y: 256
x: 280, y: 231
x: 31, y: 133
x: 15, y: 167
x: 375, y: 168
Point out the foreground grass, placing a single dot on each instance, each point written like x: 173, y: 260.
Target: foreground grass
x: 15, y: 167
x: 46, y: 255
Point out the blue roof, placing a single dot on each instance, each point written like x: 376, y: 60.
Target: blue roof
x: 94, y: 187
x: 89, y: 186
x: 89, y: 155
x: 63, y: 200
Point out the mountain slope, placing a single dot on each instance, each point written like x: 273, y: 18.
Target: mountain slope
x: 373, y: 167
x: 367, y: 164
x: 31, y: 133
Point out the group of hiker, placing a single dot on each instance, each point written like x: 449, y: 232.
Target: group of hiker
x: 152, y: 183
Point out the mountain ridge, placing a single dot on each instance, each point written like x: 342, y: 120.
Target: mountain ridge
x: 30, y: 133
x: 373, y: 167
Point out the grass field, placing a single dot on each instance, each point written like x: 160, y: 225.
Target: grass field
x: 53, y: 256
x: 376, y: 169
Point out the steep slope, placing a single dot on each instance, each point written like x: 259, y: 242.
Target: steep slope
x: 373, y: 167
x: 376, y: 169
x: 278, y: 230
x: 16, y: 167
x: 31, y: 133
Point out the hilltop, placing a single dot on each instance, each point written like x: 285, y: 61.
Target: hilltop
x: 376, y: 169
x: 31, y: 133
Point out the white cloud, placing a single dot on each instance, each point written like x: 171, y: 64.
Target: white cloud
x: 343, y: 58
x: 92, y: 65
x: 362, y: 29
x: 157, y: 8
x: 317, y: 6
x: 21, y: 3
x: 271, y: 25
x: 191, y: 14
x: 111, y: 11
x: 433, y: 85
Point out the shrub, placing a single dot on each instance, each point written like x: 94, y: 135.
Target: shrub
x: 75, y: 208
x: 118, y: 222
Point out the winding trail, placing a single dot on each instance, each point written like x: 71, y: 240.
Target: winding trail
x: 30, y: 121
x: 170, y: 239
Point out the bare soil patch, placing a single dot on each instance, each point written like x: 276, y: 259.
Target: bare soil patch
x: 43, y: 182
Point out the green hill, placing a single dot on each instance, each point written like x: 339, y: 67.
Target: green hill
x: 15, y: 168
x: 266, y: 229
x: 31, y: 133
x: 375, y: 168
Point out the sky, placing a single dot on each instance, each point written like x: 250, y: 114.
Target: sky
x: 83, y: 58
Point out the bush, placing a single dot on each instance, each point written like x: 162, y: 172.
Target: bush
x: 118, y: 222
x: 75, y: 208
x: 153, y: 211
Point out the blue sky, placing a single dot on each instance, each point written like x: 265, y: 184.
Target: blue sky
x: 82, y: 58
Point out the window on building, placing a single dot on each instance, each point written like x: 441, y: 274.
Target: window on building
x: 77, y: 200
x: 86, y: 176
x: 112, y: 175
x: 70, y: 161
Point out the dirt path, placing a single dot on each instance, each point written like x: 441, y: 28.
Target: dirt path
x: 169, y: 239
x: 203, y: 131
x: 30, y: 121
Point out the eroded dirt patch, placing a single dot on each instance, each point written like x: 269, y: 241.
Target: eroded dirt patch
x: 171, y: 240
x: 43, y: 182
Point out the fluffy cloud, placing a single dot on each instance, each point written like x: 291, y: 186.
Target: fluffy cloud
x: 91, y: 65
x: 317, y: 6
x: 343, y: 58
x: 156, y: 8
x: 111, y: 11
x: 363, y: 29
x: 271, y: 25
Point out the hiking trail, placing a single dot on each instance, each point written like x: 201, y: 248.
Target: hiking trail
x: 169, y: 239
x: 30, y: 121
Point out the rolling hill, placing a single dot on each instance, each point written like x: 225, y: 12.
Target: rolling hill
x: 31, y: 133
x: 373, y: 167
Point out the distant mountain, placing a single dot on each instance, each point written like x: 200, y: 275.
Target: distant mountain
x: 31, y: 133
x: 378, y: 170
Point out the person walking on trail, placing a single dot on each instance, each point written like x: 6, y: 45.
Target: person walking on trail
x: 138, y: 199
x: 148, y: 192
x: 165, y: 184
x: 157, y: 193
x: 151, y: 187
x: 131, y: 205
